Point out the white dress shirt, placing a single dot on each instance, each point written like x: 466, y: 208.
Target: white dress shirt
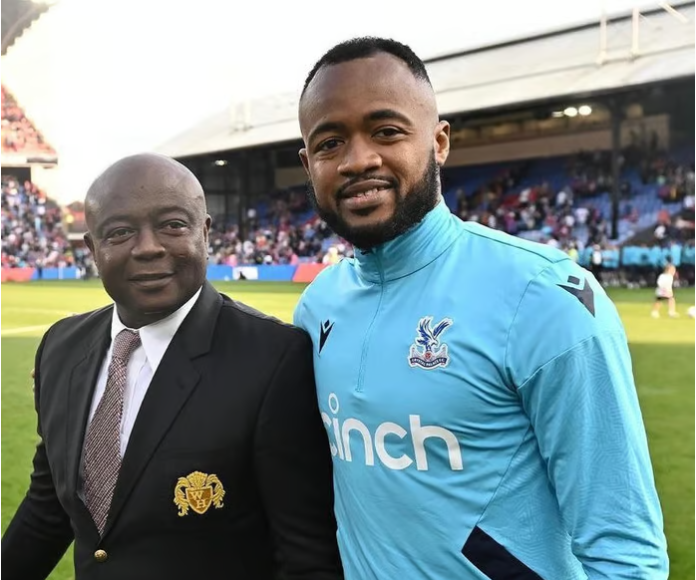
x: 142, y: 365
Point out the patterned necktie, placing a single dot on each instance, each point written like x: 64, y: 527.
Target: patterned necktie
x: 102, y: 451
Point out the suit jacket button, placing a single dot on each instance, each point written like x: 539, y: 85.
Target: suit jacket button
x: 100, y: 556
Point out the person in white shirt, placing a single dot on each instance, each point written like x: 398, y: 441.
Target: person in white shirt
x: 664, y: 291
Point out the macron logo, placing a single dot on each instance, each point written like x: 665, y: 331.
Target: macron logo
x: 585, y: 294
x: 324, y: 331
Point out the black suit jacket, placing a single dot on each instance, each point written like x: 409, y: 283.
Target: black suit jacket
x: 233, y: 398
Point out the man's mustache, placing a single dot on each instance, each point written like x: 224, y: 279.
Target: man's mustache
x: 387, y: 181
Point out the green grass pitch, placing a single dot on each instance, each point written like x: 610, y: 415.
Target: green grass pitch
x: 663, y: 358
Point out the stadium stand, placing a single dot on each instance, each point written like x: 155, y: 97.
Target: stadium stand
x: 32, y: 233
x: 18, y: 133
x: 557, y: 194
x: 287, y: 243
x: 558, y: 201
x: 576, y: 138
x: 561, y: 201
x: 566, y: 199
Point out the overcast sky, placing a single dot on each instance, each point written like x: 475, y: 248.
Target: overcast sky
x: 106, y: 78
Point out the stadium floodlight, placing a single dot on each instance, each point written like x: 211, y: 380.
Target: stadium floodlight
x: 220, y: 162
x: 585, y: 110
x: 570, y: 112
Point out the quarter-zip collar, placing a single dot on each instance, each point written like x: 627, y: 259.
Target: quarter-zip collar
x: 411, y: 251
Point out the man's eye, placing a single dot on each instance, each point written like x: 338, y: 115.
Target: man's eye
x: 328, y: 145
x: 388, y: 132
x: 118, y: 233
x: 175, y: 225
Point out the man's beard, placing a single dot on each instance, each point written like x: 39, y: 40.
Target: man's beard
x: 409, y: 210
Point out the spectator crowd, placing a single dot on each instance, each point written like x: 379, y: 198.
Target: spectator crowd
x: 18, y: 133
x: 283, y: 229
x: 557, y: 214
x: 31, y: 227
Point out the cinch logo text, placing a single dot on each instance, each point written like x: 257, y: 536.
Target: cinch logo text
x: 374, y: 443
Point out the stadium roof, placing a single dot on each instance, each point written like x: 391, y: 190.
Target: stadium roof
x: 567, y: 63
x: 17, y: 16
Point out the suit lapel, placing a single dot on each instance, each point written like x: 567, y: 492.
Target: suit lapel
x: 173, y: 383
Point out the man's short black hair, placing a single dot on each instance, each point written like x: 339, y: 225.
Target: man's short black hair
x: 364, y: 47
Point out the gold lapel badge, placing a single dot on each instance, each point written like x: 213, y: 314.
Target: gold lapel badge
x: 198, y: 491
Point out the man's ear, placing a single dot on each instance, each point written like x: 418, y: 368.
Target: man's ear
x: 206, y: 226
x: 442, y: 142
x: 305, y: 160
x: 89, y: 242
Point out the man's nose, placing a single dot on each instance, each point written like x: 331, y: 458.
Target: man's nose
x: 360, y: 157
x: 148, y: 245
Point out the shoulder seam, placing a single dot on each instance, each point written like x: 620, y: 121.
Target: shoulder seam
x: 523, y: 249
x: 517, y: 310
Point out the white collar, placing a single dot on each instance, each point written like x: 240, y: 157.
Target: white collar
x: 156, y: 337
